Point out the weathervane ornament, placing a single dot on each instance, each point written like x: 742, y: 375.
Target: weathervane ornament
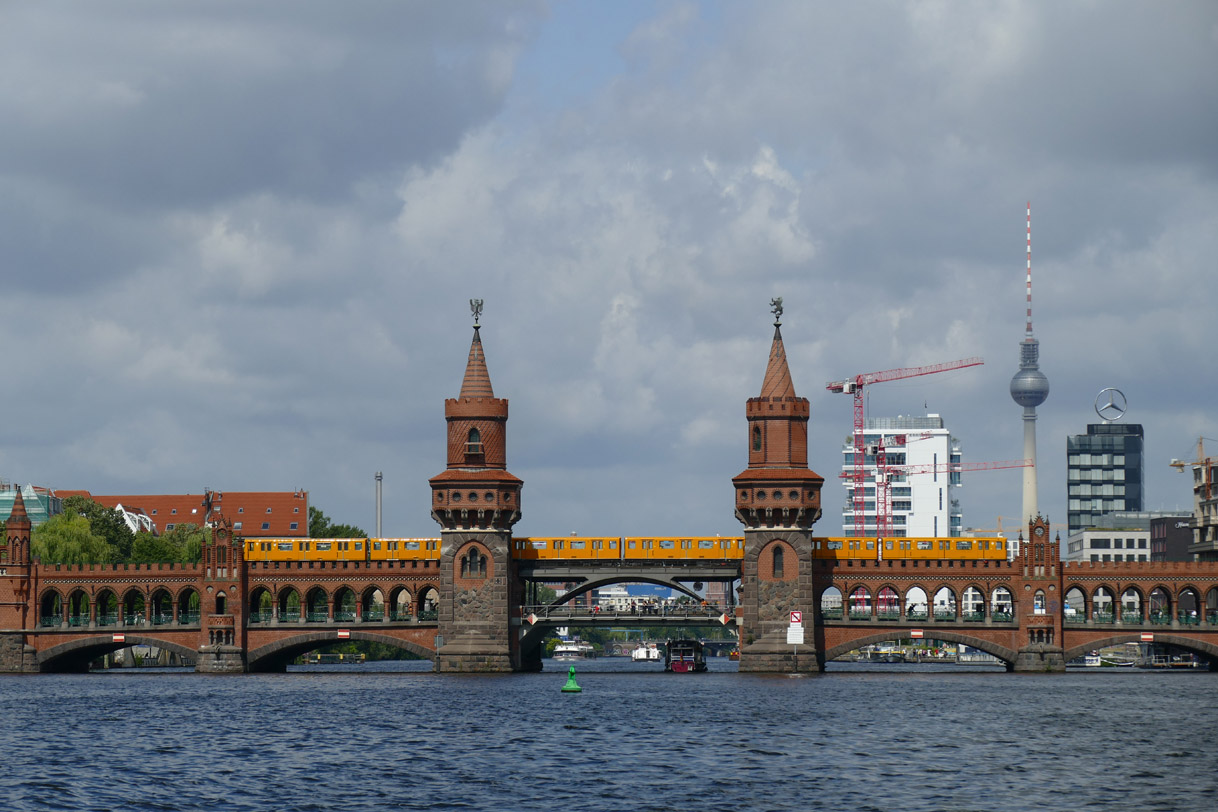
x: 475, y: 306
x: 776, y: 309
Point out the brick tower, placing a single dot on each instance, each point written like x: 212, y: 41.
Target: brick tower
x: 1039, y: 607
x: 476, y: 502
x: 777, y: 501
x: 15, y: 655
x: 225, y: 585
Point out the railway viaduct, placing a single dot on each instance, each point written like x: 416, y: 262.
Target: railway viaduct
x: 470, y: 609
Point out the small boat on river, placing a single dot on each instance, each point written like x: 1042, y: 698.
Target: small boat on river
x: 684, y: 657
x: 646, y: 653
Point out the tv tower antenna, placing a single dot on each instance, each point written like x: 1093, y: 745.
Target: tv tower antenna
x: 1029, y: 388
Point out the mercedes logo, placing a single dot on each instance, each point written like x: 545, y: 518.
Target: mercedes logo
x: 1110, y: 404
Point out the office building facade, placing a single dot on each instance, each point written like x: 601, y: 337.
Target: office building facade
x: 1104, y: 473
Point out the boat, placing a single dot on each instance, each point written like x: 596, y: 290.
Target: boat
x: 646, y: 653
x: 684, y: 657
x: 734, y: 654
x: 570, y: 650
x: 1092, y: 660
x: 316, y: 658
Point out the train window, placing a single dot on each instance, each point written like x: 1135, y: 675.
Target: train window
x: 538, y: 545
x: 888, y: 545
x: 376, y: 545
x: 359, y: 545
x: 833, y: 545
x: 925, y: 545
x: 613, y: 545
x: 964, y: 545
x: 323, y: 545
x: 667, y: 544
x: 647, y: 545
x: 558, y: 545
x: 706, y: 544
x: 284, y: 545
x: 871, y: 545
x: 998, y: 545
x: 412, y: 545
x: 578, y: 545
x: 631, y: 544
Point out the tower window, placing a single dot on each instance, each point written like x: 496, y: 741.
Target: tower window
x: 778, y: 568
x: 473, y: 443
x: 473, y: 564
x: 756, y: 438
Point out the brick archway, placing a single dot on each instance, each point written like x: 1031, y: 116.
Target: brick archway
x: 75, y: 656
x: 277, y: 655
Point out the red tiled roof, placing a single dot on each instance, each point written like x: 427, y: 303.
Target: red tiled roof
x: 254, y: 514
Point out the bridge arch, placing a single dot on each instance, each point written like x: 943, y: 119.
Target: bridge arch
x: 1209, y: 650
x: 50, y: 606
x: 75, y: 655
x: 622, y: 578
x: 1007, y: 655
x: 277, y: 655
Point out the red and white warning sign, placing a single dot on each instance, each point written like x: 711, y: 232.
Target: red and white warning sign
x: 344, y: 634
x: 1147, y: 637
x: 916, y: 634
x: 118, y: 638
x: 797, y: 618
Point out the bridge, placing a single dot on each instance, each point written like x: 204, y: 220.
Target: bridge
x: 470, y: 600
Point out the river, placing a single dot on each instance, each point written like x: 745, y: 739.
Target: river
x: 394, y: 736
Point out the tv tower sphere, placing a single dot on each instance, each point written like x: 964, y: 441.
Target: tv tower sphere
x: 1029, y: 387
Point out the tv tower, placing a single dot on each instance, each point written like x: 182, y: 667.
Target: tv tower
x: 1029, y: 388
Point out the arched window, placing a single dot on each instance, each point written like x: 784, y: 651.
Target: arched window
x: 473, y: 443
x: 473, y: 564
x: 756, y: 438
x: 778, y: 568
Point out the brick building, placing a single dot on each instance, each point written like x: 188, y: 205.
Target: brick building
x: 254, y: 514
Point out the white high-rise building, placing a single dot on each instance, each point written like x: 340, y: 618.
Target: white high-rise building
x: 921, y: 504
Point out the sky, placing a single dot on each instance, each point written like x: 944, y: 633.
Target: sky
x: 239, y: 240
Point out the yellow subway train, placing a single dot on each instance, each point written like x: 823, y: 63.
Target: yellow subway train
x: 629, y: 548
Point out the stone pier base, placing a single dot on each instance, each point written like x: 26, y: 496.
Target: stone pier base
x: 220, y: 660
x: 15, y: 656
x: 1039, y: 659
x: 772, y: 655
x: 474, y: 654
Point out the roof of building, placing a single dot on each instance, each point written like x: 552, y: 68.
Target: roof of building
x: 477, y: 381
x: 777, y: 383
x: 253, y: 513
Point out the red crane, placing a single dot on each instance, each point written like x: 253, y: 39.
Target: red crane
x: 854, y: 386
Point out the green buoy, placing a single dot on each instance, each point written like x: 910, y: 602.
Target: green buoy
x: 572, y: 687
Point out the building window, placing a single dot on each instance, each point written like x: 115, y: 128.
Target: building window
x: 174, y: 512
x: 236, y: 525
x: 294, y: 525
x: 240, y: 510
x: 778, y: 568
x: 296, y: 510
x: 473, y: 442
x: 756, y: 438
x: 268, y: 510
x: 154, y: 511
x: 266, y: 525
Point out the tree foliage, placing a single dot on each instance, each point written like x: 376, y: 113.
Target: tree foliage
x: 90, y: 533
x: 67, y: 538
x: 181, y: 545
x: 105, y: 522
x: 320, y: 527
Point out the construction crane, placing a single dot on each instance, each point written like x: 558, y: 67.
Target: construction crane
x: 883, y: 517
x: 854, y: 386
x: 1206, y: 464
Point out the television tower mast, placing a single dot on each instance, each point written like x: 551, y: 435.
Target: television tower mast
x: 1029, y: 388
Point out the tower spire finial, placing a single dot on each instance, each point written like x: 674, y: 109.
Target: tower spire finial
x: 475, y: 306
x: 776, y: 309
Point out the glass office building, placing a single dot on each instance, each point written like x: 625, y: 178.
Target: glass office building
x: 1103, y: 473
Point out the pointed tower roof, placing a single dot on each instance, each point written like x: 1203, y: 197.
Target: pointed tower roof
x: 18, y: 507
x: 777, y: 383
x: 477, y: 381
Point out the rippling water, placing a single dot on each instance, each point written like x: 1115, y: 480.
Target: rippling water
x: 892, y: 737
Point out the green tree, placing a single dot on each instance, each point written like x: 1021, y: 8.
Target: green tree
x: 68, y: 539
x: 320, y: 527
x: 105, y: 522
x: 181, y: 545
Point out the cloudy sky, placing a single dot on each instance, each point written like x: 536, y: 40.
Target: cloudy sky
x: 238, y: 240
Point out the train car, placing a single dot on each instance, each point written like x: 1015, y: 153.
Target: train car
x: 404, y: 549
x: 630, y: 548
x: 360, y: 549
x: 566, y: 548
x: 297, y: 549
x: 911, y: 549
x: 699, y: 548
